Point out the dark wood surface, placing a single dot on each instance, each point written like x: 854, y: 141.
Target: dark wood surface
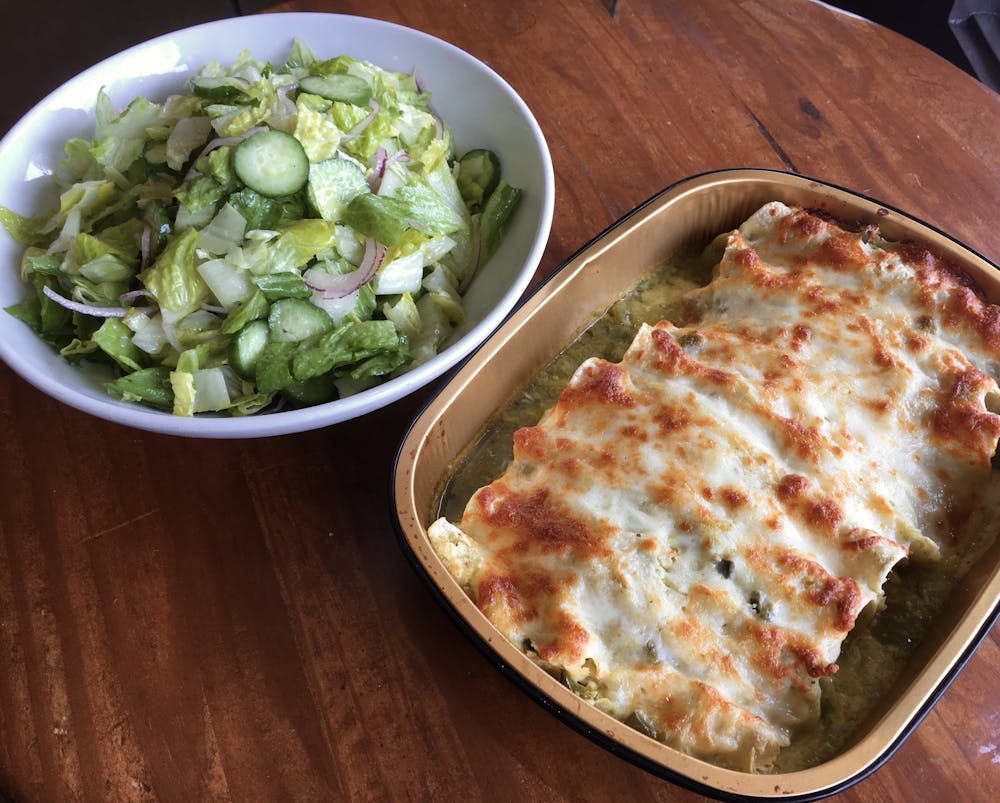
x: 195, y: 620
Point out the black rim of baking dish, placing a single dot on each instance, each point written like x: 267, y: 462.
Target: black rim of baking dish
x: 540, y: 697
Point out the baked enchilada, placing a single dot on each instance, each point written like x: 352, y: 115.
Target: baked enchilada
x: 689, y: 534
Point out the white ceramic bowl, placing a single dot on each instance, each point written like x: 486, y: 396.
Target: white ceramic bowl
x: 481, y: 108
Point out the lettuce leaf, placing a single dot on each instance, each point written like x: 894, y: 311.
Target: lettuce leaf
x: 347, y: 116
x: 188, y: 134
x: 120, y: 139
x: 351, y: 343
x: 261, y: 212
x: 87, y: 200
x: 385, y: 219
x: 319, y: 134
x: 300, y: 56
x: 25, y: 230
x: 147, y: 386
x: 430, y: 209
x: 299, y: 242
x: 183, y: 392
x: 200, y: 193
x: 174, y: 279
x: 114, y: 338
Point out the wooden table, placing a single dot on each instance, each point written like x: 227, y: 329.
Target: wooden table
x: 190, y: 620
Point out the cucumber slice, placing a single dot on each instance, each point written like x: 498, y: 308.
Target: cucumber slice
x: 347, y: 88
x: 246, y: 348
x: 478, y: 176
x: 272, y: 163
x: 316, y: 390
x: 295, y: 319
x: 218, y: 90
x: 496, y: 213
x: 333, y: 184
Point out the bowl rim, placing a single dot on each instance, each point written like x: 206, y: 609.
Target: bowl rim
x: 321, y: 415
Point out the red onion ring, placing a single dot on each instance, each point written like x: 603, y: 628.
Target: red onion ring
x: 356, y: 132
x: 378, y: 170
x: 286, y: 102
x: 131, y: 295
x: 438, y: 122
x: 86, y: 309
x: 383, y: 163
x: 341, y: 284
x: 144, y: 245
x: 398, y: 156
x: 375, y: 180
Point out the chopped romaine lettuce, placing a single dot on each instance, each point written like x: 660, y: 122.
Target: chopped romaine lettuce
x: 149, y: 386
x: 174, y: 280
x: 214, y: 278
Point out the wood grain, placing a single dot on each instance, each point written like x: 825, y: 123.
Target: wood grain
x: 201, y: 620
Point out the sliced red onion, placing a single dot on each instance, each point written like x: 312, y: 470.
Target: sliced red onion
x: 144, y: 245
x: 338, y: 285
x: 358, y: 130
x: 398, y: 156
x: 132, y: 295
x: 438, y: 122
x: 378, y: 169
x: 287, y: 103
x: 418, y: 79
x: 221, y: 142
x: 382, y: 163
x: 86, y: 309
x: 214, y: 309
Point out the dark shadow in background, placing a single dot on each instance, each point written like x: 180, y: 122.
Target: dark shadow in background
x: 925, y: 22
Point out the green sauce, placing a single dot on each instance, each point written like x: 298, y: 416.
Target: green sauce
x: 877, y: 651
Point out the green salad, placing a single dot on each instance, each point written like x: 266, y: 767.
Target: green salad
x: 275, y: 235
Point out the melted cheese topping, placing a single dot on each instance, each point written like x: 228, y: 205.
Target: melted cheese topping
x: 688, y: 536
